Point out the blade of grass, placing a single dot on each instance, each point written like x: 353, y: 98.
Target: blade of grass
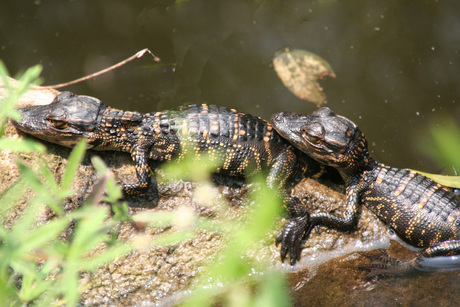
x: 11, y: 197
x: 43, y: 234
x: 75, y: 158
x: 13, y: 94
x: 25, y: 145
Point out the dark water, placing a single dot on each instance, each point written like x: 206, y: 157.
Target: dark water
x: 397, y: 63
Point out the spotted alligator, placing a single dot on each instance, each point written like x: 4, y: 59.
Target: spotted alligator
x: 419, y: 210
x: 238, y: 143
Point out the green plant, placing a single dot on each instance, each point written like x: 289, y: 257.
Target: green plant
x: 446, y: 138
x: 442, y: 144
x: 239, y: 274
x: 35, y: 264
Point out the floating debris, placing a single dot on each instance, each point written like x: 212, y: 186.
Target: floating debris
x: 300, y: 70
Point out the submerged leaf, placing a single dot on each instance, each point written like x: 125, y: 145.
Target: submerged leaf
x: 300, y: 70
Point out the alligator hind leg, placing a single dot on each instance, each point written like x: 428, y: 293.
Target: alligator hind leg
x: 385, y: 265
x: 446, y: 248
x: 444, y: 256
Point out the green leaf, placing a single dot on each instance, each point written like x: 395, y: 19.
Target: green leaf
x: 14, y: 93
x: 23, y: 225
x: 173, y: 238
x: 299, y: 70
x: 20, y: 264
x: 99, y: 165
x: 121, y: 212
x: 232, y: 266
x: 189, y: 168
x: 73, y: 163
x: 156, y: 219
x: 49, y: 179
x: 44, y: 234
x: 30, y: 177
x: 31, y: 76
x: 43, y: 195
x: 90, y: 230
x: 112, y: 188
x: 106, y: 256
x: 69, y: 283
x: 10, y: 198
x: 273, y: 291
x: 447, y: 141
x: 448, y: 181
x: 32, y: 287
x: 14, y: 114
x: 25, y: 145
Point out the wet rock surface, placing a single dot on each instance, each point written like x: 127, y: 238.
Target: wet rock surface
x: 326, y: 275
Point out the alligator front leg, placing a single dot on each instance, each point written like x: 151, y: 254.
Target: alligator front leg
x: 301, y: 223
x: 350, y: 220
x: 294, y: 231
x: 283, y: 177
x: 139, y: 155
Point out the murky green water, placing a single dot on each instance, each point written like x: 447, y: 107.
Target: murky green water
x: 397, y: 63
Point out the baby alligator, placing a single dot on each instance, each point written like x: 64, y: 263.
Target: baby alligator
x: 420, y: 211
x: 238, y: 143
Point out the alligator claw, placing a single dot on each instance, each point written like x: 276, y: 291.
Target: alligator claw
x: 385, y: 265
x: 291, y: 237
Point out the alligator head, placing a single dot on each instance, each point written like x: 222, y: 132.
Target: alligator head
x: 326, y: 137
x: 65, y: 121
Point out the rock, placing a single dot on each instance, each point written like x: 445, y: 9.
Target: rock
x: 151, y: 275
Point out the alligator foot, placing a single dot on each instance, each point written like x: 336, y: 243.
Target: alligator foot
x: 384, y: 265
x: 294, y: 231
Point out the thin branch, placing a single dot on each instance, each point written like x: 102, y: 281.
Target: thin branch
x: 139, y: 54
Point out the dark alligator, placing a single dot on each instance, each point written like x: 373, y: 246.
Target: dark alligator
x: 420, y: 211
x: 238, y: 143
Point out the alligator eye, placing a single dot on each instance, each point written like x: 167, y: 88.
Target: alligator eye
x: 312, y: 138
x: 313, y: 133
x: 59, y: 124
